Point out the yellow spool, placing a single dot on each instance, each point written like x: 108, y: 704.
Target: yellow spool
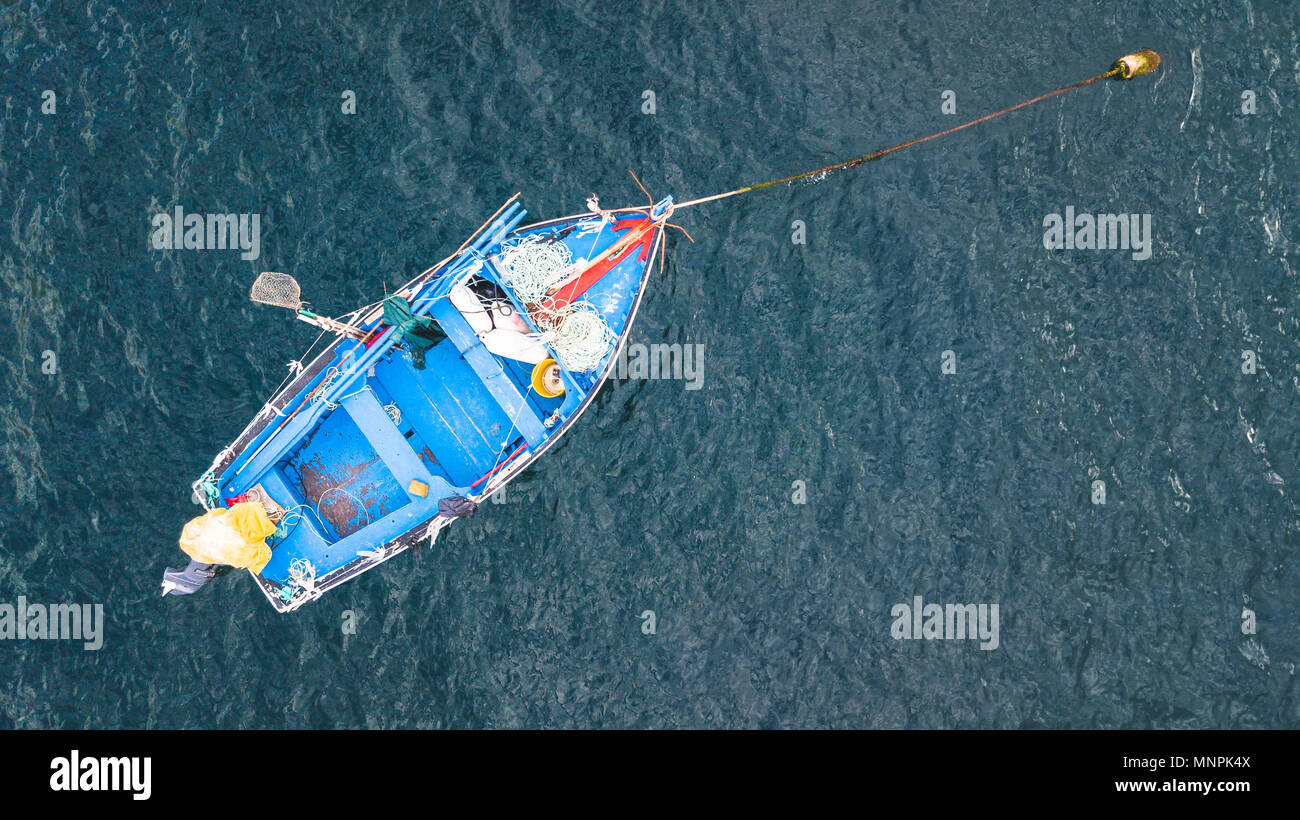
x: 1135, y: 65
x: 547, y: 380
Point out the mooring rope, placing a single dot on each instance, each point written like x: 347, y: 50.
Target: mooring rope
x: 1125, y: 68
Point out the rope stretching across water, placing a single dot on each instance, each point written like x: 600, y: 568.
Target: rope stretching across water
x: 822, y: 173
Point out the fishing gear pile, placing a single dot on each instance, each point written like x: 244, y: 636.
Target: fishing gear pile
x: 535, y: 267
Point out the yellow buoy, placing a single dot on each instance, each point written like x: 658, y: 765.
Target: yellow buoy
x: 1135, y: 65
x: 547, y: 379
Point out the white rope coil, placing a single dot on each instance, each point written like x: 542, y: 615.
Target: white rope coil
x: 579, y: 336
x: 534, y: 265
x: 303, y: 575
x: 370, y: 519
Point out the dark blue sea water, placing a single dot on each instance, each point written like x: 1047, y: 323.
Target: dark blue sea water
x: 822, y: 361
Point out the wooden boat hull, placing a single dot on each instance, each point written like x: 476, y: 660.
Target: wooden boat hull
x: 340, y: 445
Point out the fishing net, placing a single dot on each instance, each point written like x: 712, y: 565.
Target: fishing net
x: 533, y: 266
x: 579, y: 336
x: 279, y: 289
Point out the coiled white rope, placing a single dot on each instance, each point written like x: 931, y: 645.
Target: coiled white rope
x: 303, y: 575
x: 534, y: 265
x: 579, y: 336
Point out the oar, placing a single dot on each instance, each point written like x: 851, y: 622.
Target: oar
x: 577, y: 282
x: 634, y: 236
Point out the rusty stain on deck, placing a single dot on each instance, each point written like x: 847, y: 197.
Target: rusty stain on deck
x: 336, y: 490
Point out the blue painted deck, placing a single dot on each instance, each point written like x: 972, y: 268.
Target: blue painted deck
x: 339, y: 472
x: 448, y: 410
x: 344, y: 464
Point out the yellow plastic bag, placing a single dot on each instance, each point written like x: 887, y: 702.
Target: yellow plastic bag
x: 235, y: 537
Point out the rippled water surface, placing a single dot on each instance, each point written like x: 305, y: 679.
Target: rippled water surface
x: 822, y: 361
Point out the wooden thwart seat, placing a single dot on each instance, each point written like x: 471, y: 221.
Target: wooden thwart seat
x: 485, y: 365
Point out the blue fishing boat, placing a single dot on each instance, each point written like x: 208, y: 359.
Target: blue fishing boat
x: 423, y: 405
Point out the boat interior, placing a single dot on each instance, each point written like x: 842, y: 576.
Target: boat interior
x: 366, y: 451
